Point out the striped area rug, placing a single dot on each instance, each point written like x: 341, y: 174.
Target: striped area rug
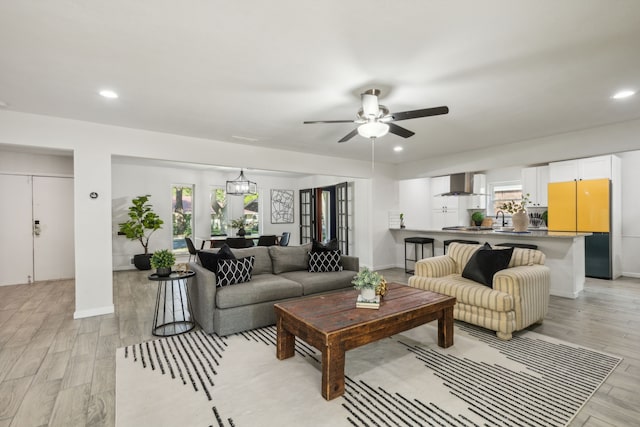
x: 200, y: 380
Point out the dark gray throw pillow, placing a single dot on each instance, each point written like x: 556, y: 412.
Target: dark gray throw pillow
x: 486, y: 262
x: 209, y: 260
x: 331, y: 245
x: 232, y: 271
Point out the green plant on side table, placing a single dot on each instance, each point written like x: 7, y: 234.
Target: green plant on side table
x: 142, y: 223
x: 369, y: 283
x: 162, y: 261
x: 477, y: 218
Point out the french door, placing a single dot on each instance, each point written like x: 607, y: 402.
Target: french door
x: 311, y: 212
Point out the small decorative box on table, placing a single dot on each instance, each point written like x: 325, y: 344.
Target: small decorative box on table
x: 173, y: 297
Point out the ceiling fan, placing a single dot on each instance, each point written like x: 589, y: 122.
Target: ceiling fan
x: 375, y: 120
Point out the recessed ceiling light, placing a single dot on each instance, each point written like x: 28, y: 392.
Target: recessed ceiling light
x: 397, y: 148
x: 107, y: 93
x: 623, y: 94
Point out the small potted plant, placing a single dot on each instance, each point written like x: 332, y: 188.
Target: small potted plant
x: 162, y: 261
x: 401, y: 220
x: 367, y: 282
x: 477, y: 218
x: 239, y: 224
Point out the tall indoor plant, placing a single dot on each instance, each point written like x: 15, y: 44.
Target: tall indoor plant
x: 142, y: 223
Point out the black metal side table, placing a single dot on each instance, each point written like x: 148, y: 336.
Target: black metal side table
x: 173, y: 296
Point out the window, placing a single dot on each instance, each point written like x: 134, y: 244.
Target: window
x: 250, y: 213
x: 182, y: 218
x: 505, y: 192
x: 219, y: 211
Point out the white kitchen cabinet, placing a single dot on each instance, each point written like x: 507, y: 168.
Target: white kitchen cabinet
x: 534, y: 182
x: 479, y: 201
x: 588, y: 168
x: 447, y: 211
x: 439, y: 185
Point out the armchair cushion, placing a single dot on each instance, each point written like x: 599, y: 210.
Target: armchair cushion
x: 486, y: 262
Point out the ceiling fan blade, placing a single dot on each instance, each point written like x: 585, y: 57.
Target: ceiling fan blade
x: 400, y: 131
x: 349, y: 135
x: 328, y: 121
x: 414, y: 114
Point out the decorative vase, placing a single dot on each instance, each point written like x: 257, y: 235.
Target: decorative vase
x: 241, y: 232
x: 163, y: 271
x: 368, y: 294
x: 520, y: 220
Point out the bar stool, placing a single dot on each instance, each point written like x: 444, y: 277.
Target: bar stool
x: 468, y: 242
x: 415, y: 241
x: 518, y: 245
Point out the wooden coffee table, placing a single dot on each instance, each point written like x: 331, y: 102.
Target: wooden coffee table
x: 332, y: 324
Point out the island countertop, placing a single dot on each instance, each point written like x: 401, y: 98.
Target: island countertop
x: 532, y: 233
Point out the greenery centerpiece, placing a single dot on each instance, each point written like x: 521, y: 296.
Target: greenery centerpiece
x: 142, y: 223
x: 369, y: 283
x: 162, y: 261
x: 239, y: 224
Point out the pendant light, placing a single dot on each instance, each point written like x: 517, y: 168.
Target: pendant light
x: 241, y: 186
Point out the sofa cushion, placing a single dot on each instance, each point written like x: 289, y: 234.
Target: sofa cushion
x: 209, y: 259
x: 321, y: 262
x: 289, y: 258
x: 321, y: 282
x: 232, y: 271
x: 262, y: 264
x: 261, y: 288
x: 486, y: 262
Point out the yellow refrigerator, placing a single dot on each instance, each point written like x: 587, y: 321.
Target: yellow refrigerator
x: 585, y: 206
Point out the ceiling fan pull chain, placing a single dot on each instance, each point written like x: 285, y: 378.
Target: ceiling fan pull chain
x: 373, y: 155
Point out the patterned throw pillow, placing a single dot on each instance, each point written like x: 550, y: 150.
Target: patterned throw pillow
x: 232, y: 271
x: 322, y: 262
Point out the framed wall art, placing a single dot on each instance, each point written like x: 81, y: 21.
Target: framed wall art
x: 282, y: 206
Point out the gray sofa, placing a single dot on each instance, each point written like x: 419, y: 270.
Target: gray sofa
x: 279, y: 273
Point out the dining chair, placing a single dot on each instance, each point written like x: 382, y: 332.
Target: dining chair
x: 267, y: 240
x: 193, y: 252
x: 284, y: 239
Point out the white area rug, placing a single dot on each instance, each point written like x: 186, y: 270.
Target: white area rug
x: 200, y: 380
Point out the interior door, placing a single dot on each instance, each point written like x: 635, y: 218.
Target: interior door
x: 53, y: 246
x: 16, y: 244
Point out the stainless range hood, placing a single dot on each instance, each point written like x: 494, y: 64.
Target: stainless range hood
x: 460, y: 184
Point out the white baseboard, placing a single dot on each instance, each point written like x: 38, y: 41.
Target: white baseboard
x: 630, y: 274
x: 99, y: 311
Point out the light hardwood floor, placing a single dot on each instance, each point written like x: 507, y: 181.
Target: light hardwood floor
x: 58, y: 371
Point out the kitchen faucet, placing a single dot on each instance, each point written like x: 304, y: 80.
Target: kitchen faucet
x: 504, y: 222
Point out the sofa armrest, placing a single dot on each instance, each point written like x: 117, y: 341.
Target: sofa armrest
x: 202, y: 292
x: 438, y: 266
x: 350, y: 262
x: 529, y: 286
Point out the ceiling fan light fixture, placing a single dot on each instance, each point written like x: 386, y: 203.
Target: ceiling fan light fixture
x: 373, y: 129
x: 241, y: 186
x: 623, y: 94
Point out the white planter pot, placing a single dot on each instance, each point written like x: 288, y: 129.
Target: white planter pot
x: 368, y: 294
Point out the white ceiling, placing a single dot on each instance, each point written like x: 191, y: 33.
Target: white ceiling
x: 509, y: 71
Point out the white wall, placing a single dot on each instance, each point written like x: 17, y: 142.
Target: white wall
x: 630, y: 208
x: 415, y: 202
x: 22, y: 163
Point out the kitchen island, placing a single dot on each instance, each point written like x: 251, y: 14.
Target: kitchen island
x: 564, y: 251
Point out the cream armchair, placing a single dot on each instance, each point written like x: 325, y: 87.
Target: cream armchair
x: 519, y: 296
